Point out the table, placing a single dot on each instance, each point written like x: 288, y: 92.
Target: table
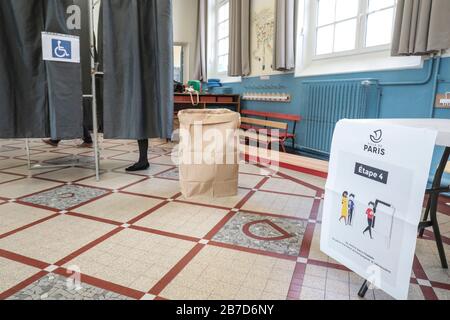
x: 184, y: 101
x: 443, y: 140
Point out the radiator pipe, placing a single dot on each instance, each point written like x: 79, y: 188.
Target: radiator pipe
x: 379, y: 97
x: 370, y: 80
x: 434, y: 61
x: 435, y: 86
x: 414, y: 83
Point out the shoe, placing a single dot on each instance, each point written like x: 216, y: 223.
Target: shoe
x: 50, y: 142
x: 85, y: 145
x: 138, y: 167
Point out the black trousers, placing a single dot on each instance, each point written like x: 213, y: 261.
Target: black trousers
x: 369, y: 228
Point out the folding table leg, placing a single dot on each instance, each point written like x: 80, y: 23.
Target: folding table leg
x: 434, y: 200
x: 425, y: 217
x: 437, y: 232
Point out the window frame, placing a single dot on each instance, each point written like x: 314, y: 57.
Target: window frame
x: 216, y: 23
x: 368, y: 61
x: 361, y: 32
x: 183, y: 58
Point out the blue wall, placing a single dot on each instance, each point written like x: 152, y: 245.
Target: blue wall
x: 398, y: 101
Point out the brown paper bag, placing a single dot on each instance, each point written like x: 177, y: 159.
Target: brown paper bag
x: 209, y: 152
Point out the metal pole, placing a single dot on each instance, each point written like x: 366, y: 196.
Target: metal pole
x: 363, y: 291
x: 94, y: 89
x: 27, y: 147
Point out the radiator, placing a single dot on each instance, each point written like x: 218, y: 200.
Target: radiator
x: 327, y: 102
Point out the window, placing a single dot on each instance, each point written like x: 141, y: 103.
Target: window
x: 347, y: 36
x: 178, y: 63
x: 380, y: 22
x: 219, y: 37
x: 353, y: 26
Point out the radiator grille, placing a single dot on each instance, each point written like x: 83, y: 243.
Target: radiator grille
x: 328, y: 102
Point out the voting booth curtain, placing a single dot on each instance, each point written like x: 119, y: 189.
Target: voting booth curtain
x: 83, y: 31
x: 138, y: 67
x: 39, y: 99
x: 45, y: 98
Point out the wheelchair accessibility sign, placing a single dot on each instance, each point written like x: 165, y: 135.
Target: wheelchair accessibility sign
x: 60, y: 47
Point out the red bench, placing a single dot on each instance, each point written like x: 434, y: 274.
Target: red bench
x: 274, y: 125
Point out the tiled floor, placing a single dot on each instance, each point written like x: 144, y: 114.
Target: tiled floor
x: 63, y: 235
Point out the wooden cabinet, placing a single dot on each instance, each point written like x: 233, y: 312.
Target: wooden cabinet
x: 186, y: 101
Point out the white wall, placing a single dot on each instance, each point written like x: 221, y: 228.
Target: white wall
x: 185, y: 30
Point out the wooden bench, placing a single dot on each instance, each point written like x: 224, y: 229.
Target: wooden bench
x: 269, y: 127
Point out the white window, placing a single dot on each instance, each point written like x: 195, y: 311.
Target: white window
x: 218, y: 37
x: 352, y: 26
x: 347, y: 36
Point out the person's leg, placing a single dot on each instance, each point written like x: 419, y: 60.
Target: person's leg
x: 143, y: 151
x: 87, y: 139
x: 50, y: 142
x: 369, y: 227
x: 143, y: 163
x: 87, y: 136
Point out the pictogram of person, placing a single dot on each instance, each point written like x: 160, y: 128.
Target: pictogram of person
x: 351, y: 208
x: 344, y: 210
x: 370, y: 212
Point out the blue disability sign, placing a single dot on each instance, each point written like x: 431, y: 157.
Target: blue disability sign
x: 61, y: 49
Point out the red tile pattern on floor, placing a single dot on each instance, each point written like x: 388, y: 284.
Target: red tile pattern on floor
x: 338, y: 282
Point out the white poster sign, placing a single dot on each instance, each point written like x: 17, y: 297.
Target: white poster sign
x: 374, y: 198
x: 60, y: 47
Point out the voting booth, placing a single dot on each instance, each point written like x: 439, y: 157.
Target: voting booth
x: 52, y: 53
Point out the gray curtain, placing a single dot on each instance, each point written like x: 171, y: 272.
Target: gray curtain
x: 85, y: 47
x: 421, y: 27
x: 200, y: 71
x: 138, y: 67
x: 22, y: 70
x: 239, y: 60
x: 64, y: 80
x: 38, y: 99
x: 284, y: 44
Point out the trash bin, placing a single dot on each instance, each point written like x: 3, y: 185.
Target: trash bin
x: 209, y: 152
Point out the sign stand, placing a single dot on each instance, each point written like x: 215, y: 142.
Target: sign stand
x: 363, y: 291
x: 430, y: 219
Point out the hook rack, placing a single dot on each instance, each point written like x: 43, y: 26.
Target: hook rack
x: 267, y: 97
